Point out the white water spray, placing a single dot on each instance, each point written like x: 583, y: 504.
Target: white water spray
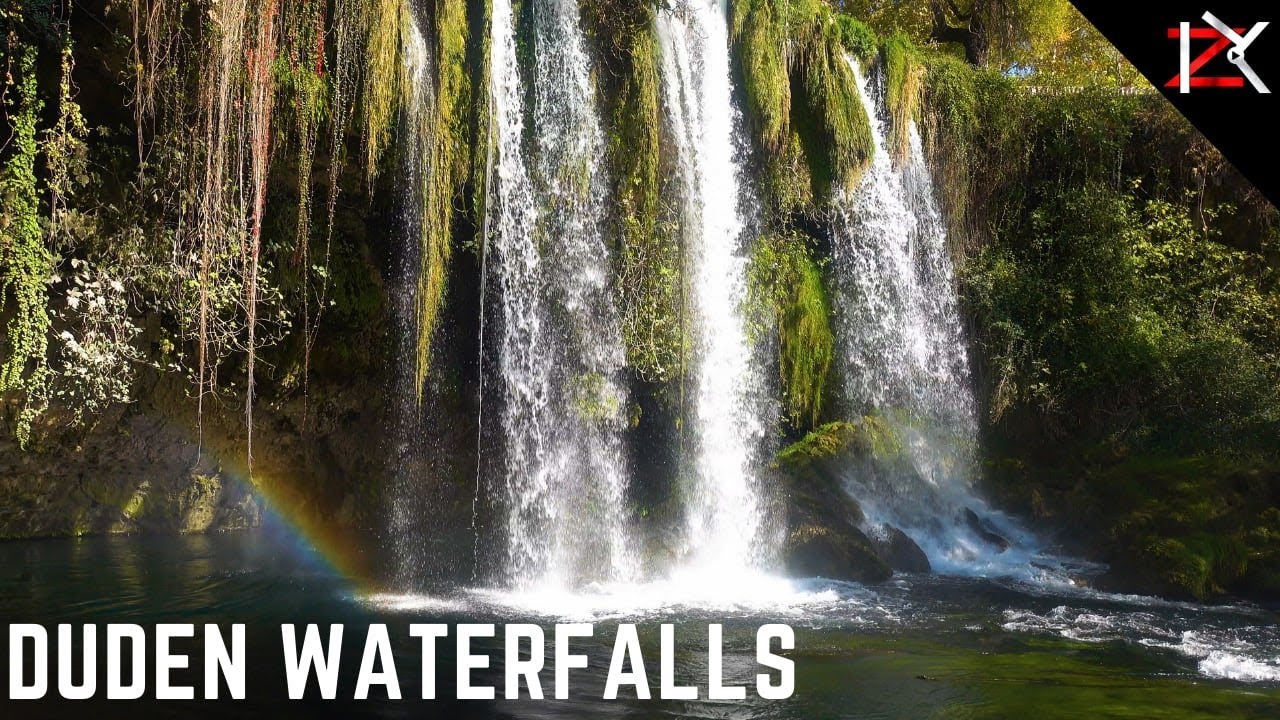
x: 415, y: 173
x: 727, y: 530
x: 559, y: 349
x: 903, y: 357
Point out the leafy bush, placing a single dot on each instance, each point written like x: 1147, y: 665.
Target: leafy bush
x: 1118, y: 319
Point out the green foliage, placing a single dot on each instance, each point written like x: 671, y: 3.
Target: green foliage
x: 384, y: 82
x: 1078, y: 56
x: 786, y: 285
x: 802, y: 96
x: 1049, y: 42
x: 902, y: 90
x: 449, y: 160
x: 1110, y: 306
x: 975, y: 128
x: 1022, y: 31
x: 1000, y: 33
x: 95, y: 353
x: 1122, y: 311
x: 834, y: 129
x: 302, y: 83
x: 857, y: 37
x: 1192, y: 526
x: 25, y: 261
x: 648, y: 259
x: 758, y: 32
x: 871, y: 437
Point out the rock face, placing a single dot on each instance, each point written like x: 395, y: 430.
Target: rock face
x: 145, y: 468
x: 984, y: 530
x: 899, y: 551
x: 824, y: 537
x: 135, y: 470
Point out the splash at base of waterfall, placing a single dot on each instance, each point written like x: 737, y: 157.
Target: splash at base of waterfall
x: 728, y: 532
x: 1229, y: 642
x: 559, y: 357
x: 904, y: 358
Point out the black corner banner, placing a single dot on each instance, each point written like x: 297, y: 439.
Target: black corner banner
x: 1218, y: 62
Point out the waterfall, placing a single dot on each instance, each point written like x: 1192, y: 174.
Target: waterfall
x: 559, y: 351
x: 726, y: 524
x: 904, y: 356
x: 409, y: 499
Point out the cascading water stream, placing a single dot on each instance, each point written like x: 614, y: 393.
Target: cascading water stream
x: 727, y: 528
x: 904, y: 358
x: 559, y: 347
x: 416, y: 119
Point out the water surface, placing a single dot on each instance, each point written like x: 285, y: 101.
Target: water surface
x: 915, y: 647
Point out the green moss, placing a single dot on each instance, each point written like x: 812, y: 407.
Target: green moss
x: 902, y: 90
x: 1200, y: 565
x: 133, y: 508
x: 305, y: 92
x: 870, y: 437
x: 786, y: 284
x: 1188, y: 526
x: 384, y: 79
x: 648, y: 258
x: 823, y: 442
x: 976, y: 135
x: 856, y: 37
x: 835, y: 132
x: 593, y: 399
x: 449, y: 159
x: 760, y: 39
x: 802, y: 97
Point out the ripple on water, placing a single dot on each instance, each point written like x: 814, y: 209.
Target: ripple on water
x: 1222, y: 648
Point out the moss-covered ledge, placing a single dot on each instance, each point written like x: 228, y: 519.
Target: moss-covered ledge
x: 824, y: 522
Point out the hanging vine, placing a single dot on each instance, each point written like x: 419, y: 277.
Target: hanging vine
x: 383, y: 77
x: 448, y: 162
x: 261, y: 103
x: 342, y: 81
x: 206, y: 81
x: 25, y: 261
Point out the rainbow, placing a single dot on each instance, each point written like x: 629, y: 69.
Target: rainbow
x: 339, y: 548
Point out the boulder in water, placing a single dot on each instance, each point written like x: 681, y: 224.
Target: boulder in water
x: 839, y: 553
x: 898, y: 550
x: 824, y: 537
x: 983, y: 530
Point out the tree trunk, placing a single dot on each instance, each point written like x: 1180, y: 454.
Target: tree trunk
x: 971, y: 35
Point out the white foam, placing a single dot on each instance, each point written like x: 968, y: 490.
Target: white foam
x: 683, y: 595
x: 412, y: 602
x: 1225, y: 653
x: 1228, y: 666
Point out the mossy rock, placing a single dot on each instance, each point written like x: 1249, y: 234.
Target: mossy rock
x: 871, y: 437
x: 825, y: 536
x: 787, y: 294
x: 899, y: 551
x: 802, y: 101
x: 904, y: 76
x: 1195, y: 568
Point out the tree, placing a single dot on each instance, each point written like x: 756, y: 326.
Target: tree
x: 990, y: 32
x: 999, y: 31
